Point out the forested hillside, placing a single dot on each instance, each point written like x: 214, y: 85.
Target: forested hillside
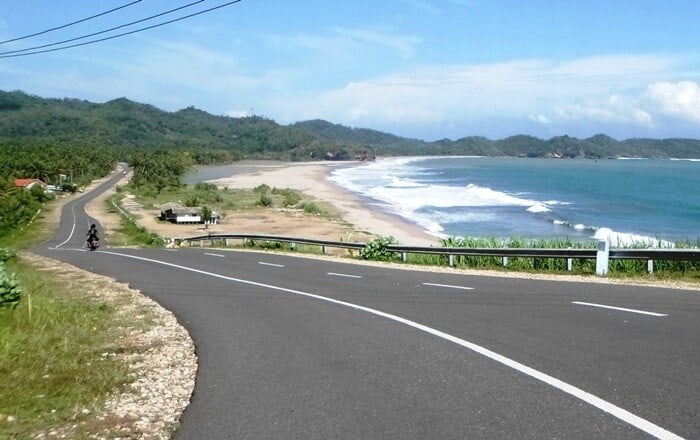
x: 123, y: 126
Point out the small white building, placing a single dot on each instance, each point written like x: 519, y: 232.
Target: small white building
x: 176, y: 213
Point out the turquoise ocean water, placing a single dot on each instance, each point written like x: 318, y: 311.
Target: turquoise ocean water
x: 621, y: 200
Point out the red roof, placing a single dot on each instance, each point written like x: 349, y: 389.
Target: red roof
x: 26, y: 182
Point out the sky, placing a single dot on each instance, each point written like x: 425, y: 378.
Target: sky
x: 424, y: 69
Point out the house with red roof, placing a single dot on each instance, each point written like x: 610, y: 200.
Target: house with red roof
x: 30, y: 183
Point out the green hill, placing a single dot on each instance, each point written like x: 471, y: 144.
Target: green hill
x: 124, y: 125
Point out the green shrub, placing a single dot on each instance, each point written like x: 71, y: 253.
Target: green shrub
x: 205, y: 186
x: 69, y: 187
x: 10, y: 291
x: 7, y: 254
x: 192, y: 201
x: 262, y: 189
x: 311, y: 208
x: 377, y: 249
x: 264, y: 200
x: 291, y: 197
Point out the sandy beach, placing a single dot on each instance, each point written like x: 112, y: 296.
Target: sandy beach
x: 311, y: 179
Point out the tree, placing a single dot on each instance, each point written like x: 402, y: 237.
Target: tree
x: 206, y: 216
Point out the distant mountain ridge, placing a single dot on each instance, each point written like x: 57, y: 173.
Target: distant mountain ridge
x: 125, y: 124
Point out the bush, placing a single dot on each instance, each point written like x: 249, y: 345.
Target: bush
x: 291, y: 197
x: 10, y: 291
x: 262, y: 189
x: 69, y: 187
x: 264, y: 200
x: 311, y: 208
x: 7, y: 254
x: 377, y: 249
x: 205, y: 186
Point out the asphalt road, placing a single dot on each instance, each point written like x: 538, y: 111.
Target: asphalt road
x: 300, y: 348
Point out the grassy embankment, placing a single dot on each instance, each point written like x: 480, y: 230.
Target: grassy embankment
x: 61, y: 347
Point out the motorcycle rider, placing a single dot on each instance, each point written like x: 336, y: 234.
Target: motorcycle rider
x: 92, y: 237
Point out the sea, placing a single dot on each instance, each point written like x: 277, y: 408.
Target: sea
x: 625, y: 201
x: 652, y: 202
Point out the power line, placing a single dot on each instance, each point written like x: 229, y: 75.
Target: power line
x: 102, y: 32
x: 122, y: 34
x: 70, y: 24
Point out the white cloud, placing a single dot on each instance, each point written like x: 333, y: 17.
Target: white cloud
x: 350, y: 44
x: 542, y: 119
x: 677, y: 99
x: 402, y: 45
x: 587, y: 89
x: 616, y: 109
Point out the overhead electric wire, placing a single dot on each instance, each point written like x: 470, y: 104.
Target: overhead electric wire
x: 122, y: 34
x: 70, y: 24
x: 102, y: 32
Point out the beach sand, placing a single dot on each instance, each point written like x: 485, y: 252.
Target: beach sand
x: 311, y: 179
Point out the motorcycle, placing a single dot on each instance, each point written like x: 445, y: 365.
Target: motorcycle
x: 92, y: 244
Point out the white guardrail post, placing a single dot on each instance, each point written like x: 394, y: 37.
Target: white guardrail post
x: 602, y: 258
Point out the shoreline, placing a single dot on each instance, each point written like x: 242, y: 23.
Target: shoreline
x: 311, y: 178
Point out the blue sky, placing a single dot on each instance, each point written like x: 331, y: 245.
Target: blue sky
x: 419, y: 68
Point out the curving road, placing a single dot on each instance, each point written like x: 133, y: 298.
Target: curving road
x: 300, y: 348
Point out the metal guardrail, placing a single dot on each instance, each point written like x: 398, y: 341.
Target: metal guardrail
x: 631, y: 254
x: 213, y: 238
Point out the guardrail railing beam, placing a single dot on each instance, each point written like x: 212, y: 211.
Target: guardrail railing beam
x: 602, y: 254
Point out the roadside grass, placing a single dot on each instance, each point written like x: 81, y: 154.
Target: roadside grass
x: 58, y: 358
x: 129, y: 233
x: 687, y: 271
x: 36, y: 232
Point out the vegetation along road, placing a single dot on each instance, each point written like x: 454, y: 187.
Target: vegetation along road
x: 292, y: 347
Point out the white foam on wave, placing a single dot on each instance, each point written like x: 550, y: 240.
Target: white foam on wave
x: 577, y: 226
x: 395, y: 183
x: 416, y: 196
x: 626, y: 240
x: 538, y: 207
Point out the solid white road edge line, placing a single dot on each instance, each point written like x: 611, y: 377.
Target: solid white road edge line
x: 270, y: 264
x: 603, y: 306
x: 578, y: 393
x: 333, y: 274
x: 72, y: 231
x: 448, y: 286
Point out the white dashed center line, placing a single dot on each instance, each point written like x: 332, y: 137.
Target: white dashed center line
x: 343, y: 275
x: 215, y: 255
x: 270, y: 264
x: 603, y: 306
x: 449, y: 286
